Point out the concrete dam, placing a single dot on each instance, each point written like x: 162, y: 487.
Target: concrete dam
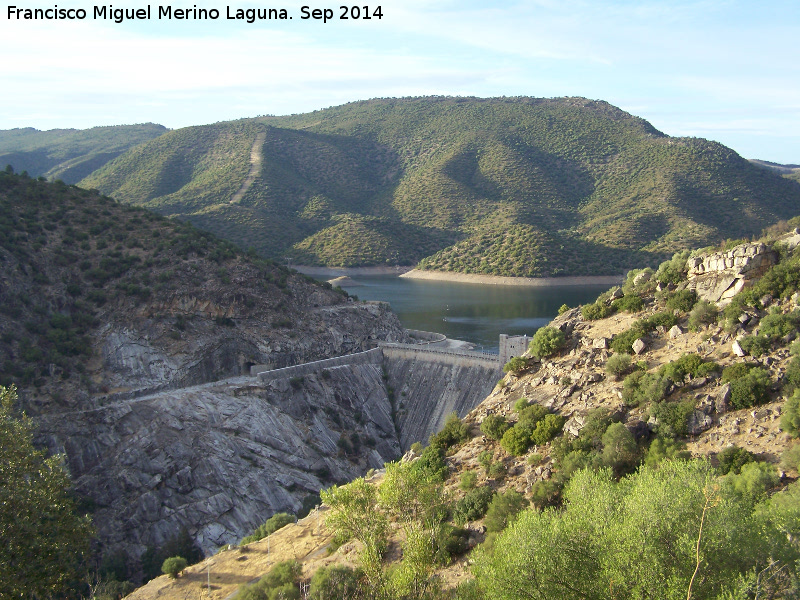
x: 424, y: 382
x: 218, y: 459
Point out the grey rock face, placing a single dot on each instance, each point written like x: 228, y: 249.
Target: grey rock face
x: 219, y: 459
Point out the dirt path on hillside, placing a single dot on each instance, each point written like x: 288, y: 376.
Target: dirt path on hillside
x: 255, y: 167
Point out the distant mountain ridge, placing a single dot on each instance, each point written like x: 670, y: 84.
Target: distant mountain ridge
x: 70, y: 154
x: 500, y: 186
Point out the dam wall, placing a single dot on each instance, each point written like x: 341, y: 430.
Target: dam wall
x: 427, y: 384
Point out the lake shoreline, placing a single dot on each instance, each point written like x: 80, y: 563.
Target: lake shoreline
x: 412, y: 273
x: 519, y: 281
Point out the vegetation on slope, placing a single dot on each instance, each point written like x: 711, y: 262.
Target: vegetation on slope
x: 73, y: 261
x: 70, y: 154
x: 503, y: 186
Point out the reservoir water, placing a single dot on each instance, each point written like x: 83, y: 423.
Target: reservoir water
x: 476, y: 313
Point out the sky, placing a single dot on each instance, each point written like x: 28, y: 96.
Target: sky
x: 722, y: 70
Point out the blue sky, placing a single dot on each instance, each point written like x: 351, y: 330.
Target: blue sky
x: 724, y: 70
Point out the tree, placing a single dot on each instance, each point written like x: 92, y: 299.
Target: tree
x: 43, y: 541
x: 547, y: 341
x: 173, y: 566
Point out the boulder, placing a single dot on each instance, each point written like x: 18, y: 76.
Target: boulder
x: 737, y: 349
x: 699, y: 422
x: 675, y: 332
x: 723, y: 399
x: 600, y: 343
x: 639, y: 346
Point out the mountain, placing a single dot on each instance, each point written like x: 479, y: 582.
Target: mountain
x: 503, y: 186
x: 70, y: 154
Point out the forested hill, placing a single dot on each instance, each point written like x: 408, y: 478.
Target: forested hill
x: 70, y: 154
x: 506, y: 186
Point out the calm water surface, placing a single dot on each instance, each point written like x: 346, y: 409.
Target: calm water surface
x: 477, y: 313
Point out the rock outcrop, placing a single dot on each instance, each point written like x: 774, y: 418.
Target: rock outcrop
x: 718, y: 277
x: 220, y: 458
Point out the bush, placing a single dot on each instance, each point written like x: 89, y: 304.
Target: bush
x: 454, y: 432
x: 516, y: 441
x: 753, y: 481
x: 733, y: 458
x: 755, y: 345
x: 273, y: 524
x: 629, y: 303
x: 672, y: 417
x: 497, y: 470
x: 640, y: 387
x: 598, y: 310
x: 703, y: 313
x: 280, y: 583
x: 620, y: 451
x: 494, y: 426
x: 546, y: 429
x: 776, y: 325
x: 547, y: 341
x: 485, y: 459
x: 791, y: 458
x: 546, y: 493
x: 467, y: 480
x: 472, y: 506
x: 502, y: 510
x: 673, y: 270
x: 515, y: 365
x: 618, y: 365
x: 622, y: 342
x: 562, y: 309
x: 751, y: 389
x: 688, y: 364
x: 336, y: 582
x: 682, y: 300
x: 664, y: 448
x: 790, y: 420
x: 173, y: 566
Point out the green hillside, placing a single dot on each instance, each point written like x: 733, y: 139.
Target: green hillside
x: 505, y: 186
x: 70, y: 154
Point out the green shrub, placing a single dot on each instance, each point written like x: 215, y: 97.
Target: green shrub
x: 790, y: 419
x: 703, y: 313
x: 515, y: 365
x: 494, y: 426
x: 432, y: 463
x: 547, y: 341
x: 618, y: 365
x: 467, y: 480
x: 672, y: 417
x: 776, y: 325
x: 173, y: 566
x: 454, y: 432
x: 640, y: 387
x: 503, y: 509
x: 753, y: 481
x: 598, y: 310
x: 280, y: 583
x: 531, y: 415
x: 485, y: 459
x: 673, y: 270
x: 622, y: 342
x: 516, y: 441
x: 497, y: 470
x: 790, y: 459
x: 665, y: 448
x: 750, y: 390
x: 688, y: 364
x: 645, y: 284
x: 336, y: 582
x: 620, y: 451
x: 546, y: 429
x: 472, y: 506
x: 629, y: 303
x: 521, y: 404
x: 546, y: 493
x: 682, y: 300
x: 273, y: 524
x: 755, y: 345
x: 733, y: 458
x: 562, y: 309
